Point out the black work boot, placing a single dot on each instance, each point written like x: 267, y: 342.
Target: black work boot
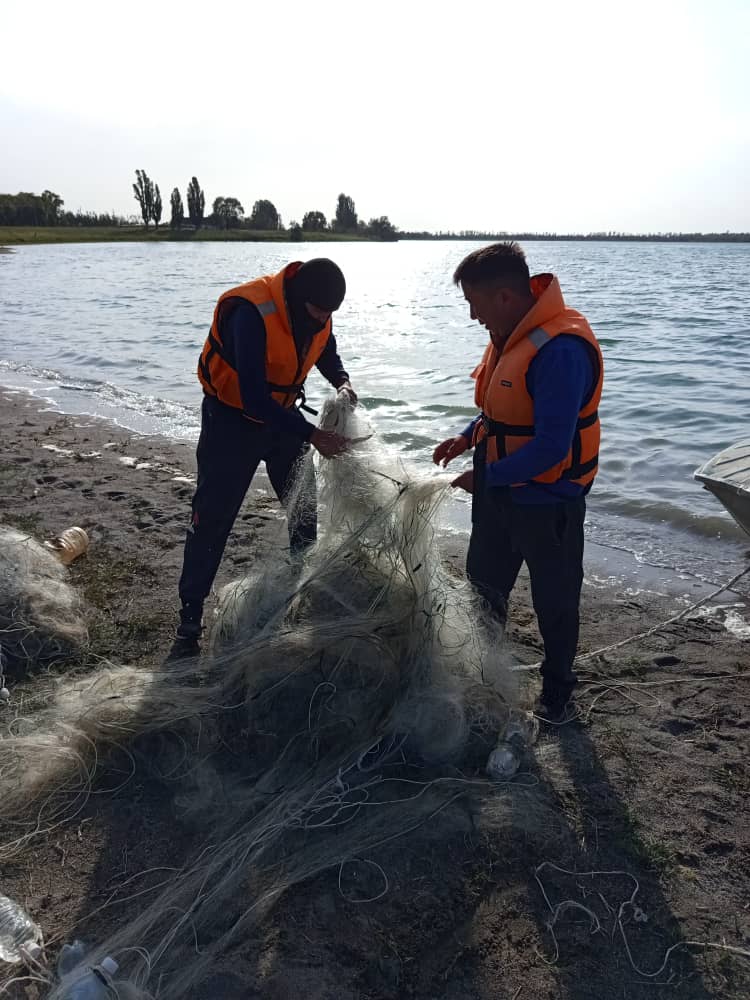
x: 556, y: 711
x: 187, y: 638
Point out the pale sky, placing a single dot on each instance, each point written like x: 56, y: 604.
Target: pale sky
x: 541, y: 116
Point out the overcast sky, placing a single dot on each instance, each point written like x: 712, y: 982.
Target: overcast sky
x: 543, y: 116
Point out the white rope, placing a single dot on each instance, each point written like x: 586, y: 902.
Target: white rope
x: 644, y: 635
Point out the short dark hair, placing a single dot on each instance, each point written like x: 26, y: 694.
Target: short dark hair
x: 503, y: 263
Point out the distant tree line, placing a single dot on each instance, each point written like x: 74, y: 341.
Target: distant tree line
x: 26, y: 209
x: 46, y: 209
x: 227, y: 212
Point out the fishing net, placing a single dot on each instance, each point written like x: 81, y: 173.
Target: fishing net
x: 349, y: 696
x: 40, y: 613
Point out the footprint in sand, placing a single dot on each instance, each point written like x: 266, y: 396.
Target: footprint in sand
x: 720, y: 847
x: 678, y: 726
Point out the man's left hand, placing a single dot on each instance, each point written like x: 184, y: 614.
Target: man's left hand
x: 346, y: 389
x: 465, y: 481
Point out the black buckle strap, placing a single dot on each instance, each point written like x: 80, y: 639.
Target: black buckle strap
x: 214, y: 347
x: 589, y: 421
x: 577, y: 471
x: 496, y: 428
x: 298, y: 389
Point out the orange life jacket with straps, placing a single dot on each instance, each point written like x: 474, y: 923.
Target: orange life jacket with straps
x: 507, y: 420
x: 285, y: 370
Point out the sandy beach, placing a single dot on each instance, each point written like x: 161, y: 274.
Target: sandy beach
x: 652, y: 786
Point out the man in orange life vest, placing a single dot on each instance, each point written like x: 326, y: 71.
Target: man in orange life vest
x: 536, y: 449
x: 265, y: 337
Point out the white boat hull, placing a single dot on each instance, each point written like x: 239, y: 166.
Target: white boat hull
x: 727, y: 476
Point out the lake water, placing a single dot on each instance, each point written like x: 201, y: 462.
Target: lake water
x: 115, y: 330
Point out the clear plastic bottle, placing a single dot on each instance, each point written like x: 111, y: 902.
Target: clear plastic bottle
x: 71, y: 956
x: 19, y: 935
x: 4, y: 692
x: 506, y: 758
x: 503, y: 762
x: 94, y: 984
x: 69, y: 545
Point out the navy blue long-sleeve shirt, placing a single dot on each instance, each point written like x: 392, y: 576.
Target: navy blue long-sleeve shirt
x: 559, y: 379
x: 243, y: 334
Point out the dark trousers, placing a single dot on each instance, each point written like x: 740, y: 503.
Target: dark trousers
x: 230, y: 448
x: 549, y: 539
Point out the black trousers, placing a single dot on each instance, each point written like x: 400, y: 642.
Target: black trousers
x: 230, y: 449
x: 549, y: 539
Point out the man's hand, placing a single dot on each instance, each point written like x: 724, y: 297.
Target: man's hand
x: 329, y: 443
x: 345, y: 389
x: 449, y: 450
x: 465, y: 481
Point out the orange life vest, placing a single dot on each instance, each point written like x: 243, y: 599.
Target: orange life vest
x: 507, y: 419
x: 285, y: 370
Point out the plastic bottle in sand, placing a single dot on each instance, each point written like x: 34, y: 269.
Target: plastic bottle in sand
x: 94, y: 984
x: 71, y: 956
x: 19, y: 935
x: 69, y: 545
x: 4, y: 692
x: 506, y: 758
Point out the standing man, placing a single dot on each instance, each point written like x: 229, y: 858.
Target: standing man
x: 265, y: 337
x: 536, y: 444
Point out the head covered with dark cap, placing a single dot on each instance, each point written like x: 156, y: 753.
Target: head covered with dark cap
x: 320, y: 283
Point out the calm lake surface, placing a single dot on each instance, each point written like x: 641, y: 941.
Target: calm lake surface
x: 115, y: 330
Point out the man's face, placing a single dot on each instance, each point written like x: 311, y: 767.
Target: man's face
x: 493, y: 307
x: 319, y: 315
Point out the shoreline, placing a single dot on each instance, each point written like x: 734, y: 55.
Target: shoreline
x: 131, y: 491
x: 612, y: 571
x: 12, y: 236
x: 39, y: 235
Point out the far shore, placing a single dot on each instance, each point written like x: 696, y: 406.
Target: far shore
x: 23, y: 235
x: 26, y: 235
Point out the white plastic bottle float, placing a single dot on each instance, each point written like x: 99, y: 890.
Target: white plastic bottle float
x: 69, y: 545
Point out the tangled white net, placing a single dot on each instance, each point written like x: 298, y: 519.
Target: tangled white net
x: 360, y: 688
x: 40, y: 615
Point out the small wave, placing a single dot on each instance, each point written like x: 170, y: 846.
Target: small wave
x: 137, y: 411
x: 373, y: 401
x: 719, y: 525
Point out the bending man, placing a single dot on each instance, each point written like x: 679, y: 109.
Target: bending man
x: 265, y: 337
x: 536, y: 443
